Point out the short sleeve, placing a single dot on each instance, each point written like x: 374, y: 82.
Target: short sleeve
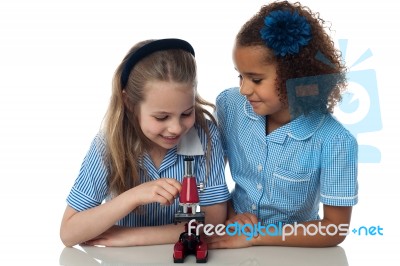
x: 216, y: 190
x: 339, y: 186
x: 90, y: 187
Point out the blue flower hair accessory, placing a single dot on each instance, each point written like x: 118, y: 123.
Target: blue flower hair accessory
x: 285, y: 32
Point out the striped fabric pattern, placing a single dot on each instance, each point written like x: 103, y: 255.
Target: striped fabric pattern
x: 283, y: 176
x: 90, y: 187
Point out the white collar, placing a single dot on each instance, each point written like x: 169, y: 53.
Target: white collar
x: 190, y: 144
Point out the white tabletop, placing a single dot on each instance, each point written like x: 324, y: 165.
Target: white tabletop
x: 162, y: 255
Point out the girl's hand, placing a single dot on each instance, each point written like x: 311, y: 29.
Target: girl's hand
x: 229, y: 241
x: 234, y: 239
x: 163, y: 190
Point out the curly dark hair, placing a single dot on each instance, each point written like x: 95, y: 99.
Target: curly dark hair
x: 330, y: 72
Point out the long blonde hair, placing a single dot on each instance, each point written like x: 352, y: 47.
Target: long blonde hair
x: 125, y: 140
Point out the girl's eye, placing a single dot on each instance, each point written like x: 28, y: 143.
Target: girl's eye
x: 255, y: 81
x: 161, y: 118
x: 240, y: 80
x: 187, y: 114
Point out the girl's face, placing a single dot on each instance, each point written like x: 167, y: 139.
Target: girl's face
x: 257, y: 80
x: 166, y: 113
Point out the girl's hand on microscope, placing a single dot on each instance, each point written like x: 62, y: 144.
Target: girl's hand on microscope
x: 163, y: 190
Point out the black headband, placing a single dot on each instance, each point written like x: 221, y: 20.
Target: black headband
x: 147, y: 49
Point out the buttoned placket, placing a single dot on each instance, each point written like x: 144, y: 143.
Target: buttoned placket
x: 259, y: 189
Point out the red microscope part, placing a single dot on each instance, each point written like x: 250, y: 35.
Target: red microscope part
x: 189, y: 197
x: 190, y: 242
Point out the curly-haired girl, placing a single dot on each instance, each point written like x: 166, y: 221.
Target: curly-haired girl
x: 286, y: 152
x: 126, y: 191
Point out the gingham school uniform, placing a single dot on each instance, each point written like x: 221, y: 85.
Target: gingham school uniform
x: 90, y: 188
x: 283, y: 176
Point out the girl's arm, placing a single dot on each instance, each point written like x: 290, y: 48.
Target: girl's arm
x: 166, y: 234
x: 215, y: 214
x: 79, y: 227
x: 231, y: 210
x: 118, y: 236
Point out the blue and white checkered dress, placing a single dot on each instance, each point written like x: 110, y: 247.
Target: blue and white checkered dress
x: 90, y: 188
x: 283, y: 176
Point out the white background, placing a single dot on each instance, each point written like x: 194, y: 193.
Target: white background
x: 57, y: 59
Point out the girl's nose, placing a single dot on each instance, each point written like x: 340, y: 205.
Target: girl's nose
x: 245, y: 88
x: 175, y: 127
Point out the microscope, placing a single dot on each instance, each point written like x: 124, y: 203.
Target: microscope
x: 190, y: 242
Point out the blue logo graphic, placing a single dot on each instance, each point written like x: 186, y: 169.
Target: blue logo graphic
x: 359, y: 111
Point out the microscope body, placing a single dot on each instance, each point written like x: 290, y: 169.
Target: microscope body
x: 190, y: 242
